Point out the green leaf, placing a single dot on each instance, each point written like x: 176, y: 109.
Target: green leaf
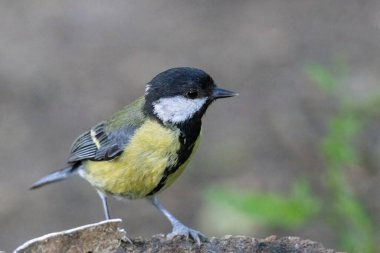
x: 337, y: 145
x: 270, y: 209
x: 321, y: 76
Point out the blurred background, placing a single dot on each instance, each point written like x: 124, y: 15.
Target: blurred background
x: 297, y: 153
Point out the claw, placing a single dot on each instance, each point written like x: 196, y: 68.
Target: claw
x: 182, y: 230
x: 178, y: 227
x: 127, y: 240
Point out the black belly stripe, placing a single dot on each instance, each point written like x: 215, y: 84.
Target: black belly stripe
x: 188, y: 137
x: 162, y: 181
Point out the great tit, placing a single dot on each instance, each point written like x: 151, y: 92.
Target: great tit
x: 143, y: 148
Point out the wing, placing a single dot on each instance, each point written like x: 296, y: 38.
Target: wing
x: 107, y: 140
x: 94, y: 144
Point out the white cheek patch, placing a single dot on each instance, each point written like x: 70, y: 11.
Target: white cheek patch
x: 177, y: 109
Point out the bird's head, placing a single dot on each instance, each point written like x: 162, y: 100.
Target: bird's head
x: 180, y: 94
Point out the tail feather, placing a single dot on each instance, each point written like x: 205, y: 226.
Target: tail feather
x: 54, y: 177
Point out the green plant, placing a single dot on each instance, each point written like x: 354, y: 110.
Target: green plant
x: 271, y: 209
x: 341, y: 208
x: 344, y: 210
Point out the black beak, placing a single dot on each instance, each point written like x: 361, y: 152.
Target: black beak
x: 222, y: 93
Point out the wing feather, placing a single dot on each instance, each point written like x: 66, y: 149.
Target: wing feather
x: 107, y: 140
x: 87, y: 145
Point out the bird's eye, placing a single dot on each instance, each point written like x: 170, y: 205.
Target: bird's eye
x: 192, y: 94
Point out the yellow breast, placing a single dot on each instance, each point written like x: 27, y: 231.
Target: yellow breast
x: 141, y: 166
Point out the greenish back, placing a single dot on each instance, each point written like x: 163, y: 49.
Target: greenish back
x: 130, y: 115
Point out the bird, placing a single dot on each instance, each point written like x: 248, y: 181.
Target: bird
x: 142, y: 149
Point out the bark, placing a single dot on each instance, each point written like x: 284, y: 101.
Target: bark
x: 106, y: 236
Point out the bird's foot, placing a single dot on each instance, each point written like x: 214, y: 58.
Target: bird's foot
x: 182, y: 230
x: 127, y: 240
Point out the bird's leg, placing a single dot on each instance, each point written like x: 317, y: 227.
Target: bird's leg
x: 103, y: 197
x: 178, y: 227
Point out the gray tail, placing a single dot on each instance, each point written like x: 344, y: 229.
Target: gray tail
x: 55, y: 176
